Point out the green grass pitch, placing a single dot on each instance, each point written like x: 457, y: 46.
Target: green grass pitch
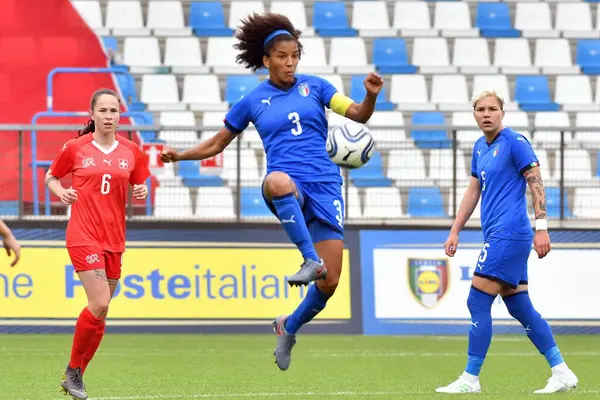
x: 147, y: 366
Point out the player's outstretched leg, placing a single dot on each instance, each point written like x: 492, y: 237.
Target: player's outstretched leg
x: 282, y: 191
x: 480, y: 337
x: 519, y: 305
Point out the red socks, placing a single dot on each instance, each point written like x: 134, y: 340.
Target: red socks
x: 93, y: 346
x: 86, y: 328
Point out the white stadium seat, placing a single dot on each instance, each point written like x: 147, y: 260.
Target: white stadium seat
x: 165, y: 18
x: 214, y: 203
x: 554, y: 57
x: 587, y: 202
x: 241, y: 9
x: 173, y: 202
x: 453, y: 19
x: 314, y: 59
x: 335, y: 80
x: 412, y: 18
x: 547, y: 135
x: 450, y: 92
x: 383, y: 203
x: 440, y: 167
x: 160, y: 93
x: 534, y: 19
x: 92, y: 14
x: 574, y: 93
x: 407, y: 167
x: 575, y: 20
x: 184, y: 56
x: 497, y: 83
x: 410, y: 93
x: 295, y: 11
x: 249, y: 174
x: 202, y: 93
x: 141, y: 54
x: 220, y: 55
x: 431, y: 56
x: 178, y: 138
x: 466, y: 137
x: 472, y: 55
x: 371, y: 19
x: 352, y: 201
x: 514, y: 56
x: 124, y: 18
x: 357, y: 64
x: 385, y: 126
x: 578, y: 167
x: 587, y: 120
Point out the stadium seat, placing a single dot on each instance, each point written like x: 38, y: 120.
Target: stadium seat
x: 549, y: 125
x: 390, y: 56
x: 574, y: 93
x: 548, y: 175
x: 554, y: 57
x: 142, y: 54
x: 513, y: 56
x: 453, y: 19
x: 499, y: 83
x: 518, y: 121
x: 449, y: 92
x: 314, y: 60
x: 575, y: 20
x: 386, y: 128
x: 183, y: 55
x: 428, y: 139
x: 533, y: 94
x: 190, y: 172
x: 553, y: 203
x: 371, y: 19
x: 220, y: 55
x: 587, y: 120
x: 473, y: 56
x: 92, y: 14
x: 165, y: 18
x: 172, y: 202
x: 129, y: 92
x: 577, y: 167
x: 335, y: 80
x: 371, y: 174
x: 145, y: 118
x: 338, y: 56
x: 588, y: 56
x: 253, y: 204
x: 178, y: 138
x: 412, y: 18
x: 425, y: 202
x: 534, y: 20
x: 358, y: 93
x: 493, y: 20
x: 238, y: 87
x: 409, y: 92
x: 207, y: 18
x: 352, y: 204
x: 160, y: 93
x: 440, y: 167
x: 466, y: 137
x: 124, y: 18
x: 110, y: 43
x: 202, y: 93
x: 586, y: 202
x: 214, y: 203
x: 383, y: 203
x: 239, y: 10
x: 431, y: 56
x: 249, y: 175
x: 407, y: 167
x: 294, y: 10
x: 330, y: 19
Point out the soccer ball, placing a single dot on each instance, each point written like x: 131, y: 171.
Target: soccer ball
x: 350, y: 145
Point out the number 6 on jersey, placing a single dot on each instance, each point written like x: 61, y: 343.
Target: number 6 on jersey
x: 105, y: 187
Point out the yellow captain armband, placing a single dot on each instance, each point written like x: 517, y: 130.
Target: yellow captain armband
x: 339, y: 104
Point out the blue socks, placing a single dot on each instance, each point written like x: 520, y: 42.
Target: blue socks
x: 480, y: 334
x: 292, y: 219
x: 313, y: 303
x: 520, y: 307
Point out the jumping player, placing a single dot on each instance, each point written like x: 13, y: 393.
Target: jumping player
x: 103, y: 165
x: 302, y: 186
x: 10, y: 243
x: 503, y: 163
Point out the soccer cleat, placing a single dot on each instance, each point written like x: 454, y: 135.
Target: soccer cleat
x: 461, y: 385
x: 309, y: 271
x: 560, y: 383
x: 285, y: 343
x: 72, y: 384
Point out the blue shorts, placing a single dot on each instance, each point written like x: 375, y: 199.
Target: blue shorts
x: 504, y: 261
x: 322, y: 205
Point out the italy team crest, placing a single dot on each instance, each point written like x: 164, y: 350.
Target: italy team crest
x: 304, y: 89
x: 428, y: 279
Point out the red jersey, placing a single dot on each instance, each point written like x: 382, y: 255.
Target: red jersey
x: 101, y: 178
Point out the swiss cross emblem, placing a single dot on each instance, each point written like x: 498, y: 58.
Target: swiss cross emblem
x: 123, y: 164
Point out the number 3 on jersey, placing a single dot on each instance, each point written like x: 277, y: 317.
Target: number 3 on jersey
x: 105, y: 187
x: 483, y: 179
x: 295, y: 118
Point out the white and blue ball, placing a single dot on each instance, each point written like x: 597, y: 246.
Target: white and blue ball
x: 350, y: 145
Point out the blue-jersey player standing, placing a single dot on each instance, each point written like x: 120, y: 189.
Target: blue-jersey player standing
x: 302, y: 186
x: 503, y: 165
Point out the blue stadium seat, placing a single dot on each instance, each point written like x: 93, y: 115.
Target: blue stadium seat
x: 390, y: 56
x: 553, y: 202
x: 330, y: 19
x: 425, y: 202
x: 493, y: 20
x: 110, y: 43
x: 370, y: 174
x: 358, y: 93
x: 252, y: 203
x: 430, y: 139
x: 588, y: 56
x: 207, y: 19
x: 146, y: 118
x: 9, y: 207
x: 533, y: 94
x: 238, y: 86
x: 189, y: 170
x: 129, y: 93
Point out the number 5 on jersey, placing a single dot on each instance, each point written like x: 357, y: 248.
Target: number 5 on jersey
x: 295, y: 118
x: 105, y: 187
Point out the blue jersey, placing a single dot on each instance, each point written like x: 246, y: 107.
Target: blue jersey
x: 499, y: 166
x: 292, y: 125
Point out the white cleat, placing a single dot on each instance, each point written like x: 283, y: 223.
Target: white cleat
x: 461, y: 385
x: 562, y: 382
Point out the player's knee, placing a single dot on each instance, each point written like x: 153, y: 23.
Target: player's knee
x: 479, y: 302
x: 278, y: 183
x: 329, y: 285
x: 99, y: 307
x: 519, y: 305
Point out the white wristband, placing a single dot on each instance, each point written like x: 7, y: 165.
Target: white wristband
x: 541, y: 224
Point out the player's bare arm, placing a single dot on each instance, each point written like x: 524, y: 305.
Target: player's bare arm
x: 465, y: 210
x: 206, y: 149
x: 363, y: 111
x: 10, y: 243
x: 67, y: 196
x: 541, y: 241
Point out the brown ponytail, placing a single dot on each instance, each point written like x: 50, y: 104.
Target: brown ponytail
x: 90, y: 126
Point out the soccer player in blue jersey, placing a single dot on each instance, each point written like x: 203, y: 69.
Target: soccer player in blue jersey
x: 302, y: 186
x: 503, y: 165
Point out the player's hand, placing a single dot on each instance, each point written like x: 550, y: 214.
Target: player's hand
x: 373, y: 83
x: 169, y: 155
x: 451, y: 244
x: 541, y: 243
x: 11, y: 244
x: 69, y: 196
x: 140, y: 191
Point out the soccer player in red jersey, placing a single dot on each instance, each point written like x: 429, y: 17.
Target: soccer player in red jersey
x: 103, y: 166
